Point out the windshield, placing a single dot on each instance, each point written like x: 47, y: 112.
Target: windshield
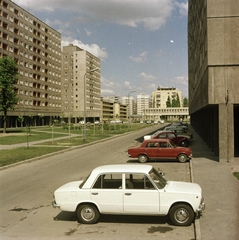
x: 158, y: 179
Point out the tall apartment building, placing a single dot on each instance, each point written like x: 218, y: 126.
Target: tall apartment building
x: 130, y: 103
x: 36, y: 48
x: 80, y: 85
x: 162, y: 94
x: 143, y: 102
x: 213, y: 61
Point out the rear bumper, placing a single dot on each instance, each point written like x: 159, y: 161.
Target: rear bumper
x: 55, y: 205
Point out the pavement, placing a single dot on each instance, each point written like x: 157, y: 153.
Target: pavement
x: 220, y: 220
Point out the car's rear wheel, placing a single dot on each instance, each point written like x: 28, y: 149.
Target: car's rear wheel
x: 88, y: 213
x: 142, y: 158
x: 182, y: 158
x: 181, y: 215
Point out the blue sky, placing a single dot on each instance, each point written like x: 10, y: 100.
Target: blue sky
x: 142, y: 44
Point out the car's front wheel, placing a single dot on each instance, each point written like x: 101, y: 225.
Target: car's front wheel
x: 142, y: 158
x: 88, y: 214
x: 184, y: 143
x: 181, y: 215
x: 182, y: 158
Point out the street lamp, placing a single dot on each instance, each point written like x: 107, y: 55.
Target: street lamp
x: 129, y: 108
x: 90, y: 71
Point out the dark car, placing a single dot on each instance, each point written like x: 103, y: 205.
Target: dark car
x: 178, y: 140
x: 160, y: 149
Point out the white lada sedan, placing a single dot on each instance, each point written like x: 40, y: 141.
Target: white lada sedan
x: 130, y: 189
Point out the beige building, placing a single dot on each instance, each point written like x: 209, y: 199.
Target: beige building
x: 36, y: 47
x: 77, y: 75
x: 112, y: 111
x: 213, y: 60
x: 162, y: 94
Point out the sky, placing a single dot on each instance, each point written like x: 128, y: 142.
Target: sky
x: 142, y: 44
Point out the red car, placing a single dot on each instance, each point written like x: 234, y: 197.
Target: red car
x: 160, y: 149
x: 178, y: 140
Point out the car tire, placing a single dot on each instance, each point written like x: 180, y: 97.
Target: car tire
x: 142, y: 158
x: 181, y: 215
x: 182, y: 158
x: 88, y: 214
x: 184, y: 144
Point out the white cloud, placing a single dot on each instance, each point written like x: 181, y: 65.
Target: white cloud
x: 151, y: 14
x: 92, y: 48
x: 183, y: 8
x: 141, y: 59
x: 147, y: 77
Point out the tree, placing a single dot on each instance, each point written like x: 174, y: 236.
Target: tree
x: 8, y: 91
x: 185, y: 102
x: 168, y: 103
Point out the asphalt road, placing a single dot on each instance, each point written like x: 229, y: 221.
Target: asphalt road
x: 26, y: 192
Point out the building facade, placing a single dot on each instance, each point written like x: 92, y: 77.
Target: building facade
x: 36, y: 48
x: 163, y: 94
x: 143, y: 102
x: 130, y: 103
x: 80, y: 84
x: 213, y: 62
x: 113, y: 110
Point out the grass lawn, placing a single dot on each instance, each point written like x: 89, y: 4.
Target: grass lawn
x: 73, y: 137
x: 236, y: 174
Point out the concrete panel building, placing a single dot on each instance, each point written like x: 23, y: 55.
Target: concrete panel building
x: 36, y: 48
x: 162, y: 94
x: 213, y: 60
x: 76, y: 76
x: 143, y: 102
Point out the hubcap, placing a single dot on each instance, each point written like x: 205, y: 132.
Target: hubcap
x: 87, y: 213
x: 181, y: 215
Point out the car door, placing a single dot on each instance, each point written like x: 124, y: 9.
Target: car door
x: 165, y: 150
x: 107, y: 193
x: 151, y: 149
x: 141, y: 197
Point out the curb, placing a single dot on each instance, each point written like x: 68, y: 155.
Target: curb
x: 197, y: 228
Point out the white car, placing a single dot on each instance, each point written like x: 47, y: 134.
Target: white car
x: 130, y: 189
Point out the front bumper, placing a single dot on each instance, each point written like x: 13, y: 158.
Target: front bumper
x: 201, y: 207
x: 55, y: 205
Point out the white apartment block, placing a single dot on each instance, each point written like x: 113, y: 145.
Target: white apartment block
x: 143, y: 102
x: 76, y: 76
x: 130, y: 103
x: 36, y: 48
x: 161, y: 95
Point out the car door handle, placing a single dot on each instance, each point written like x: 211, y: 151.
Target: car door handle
x: 128, y: 194
x: 94, y: 193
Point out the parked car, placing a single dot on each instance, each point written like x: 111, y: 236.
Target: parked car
x: 130, y: 189
x: 146, y: 137
x: 184, y: 133
x: 160, y: 149
x: 178, y: 140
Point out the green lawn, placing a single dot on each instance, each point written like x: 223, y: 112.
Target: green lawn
x: 236, y: 174
x: 73, y: 137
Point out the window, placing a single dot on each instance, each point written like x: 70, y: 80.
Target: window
x: 109, y: 181
x: 138, y: 181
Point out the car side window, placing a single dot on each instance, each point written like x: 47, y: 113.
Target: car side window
x: 138, y: 181
x: 163, y: 145
x: 163, y: 135
x: 109, y: 181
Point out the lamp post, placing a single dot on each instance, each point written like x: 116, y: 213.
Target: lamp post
x: 129, y: 108
x: 90, y: 71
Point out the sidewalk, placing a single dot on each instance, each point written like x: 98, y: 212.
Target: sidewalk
x: 220, y: 219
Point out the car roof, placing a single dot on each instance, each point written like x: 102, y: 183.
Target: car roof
x: 123, y: 168
x: 157, y: 140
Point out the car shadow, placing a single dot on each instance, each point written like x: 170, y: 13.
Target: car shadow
x: 105, y: 218
x: 153, y: 161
